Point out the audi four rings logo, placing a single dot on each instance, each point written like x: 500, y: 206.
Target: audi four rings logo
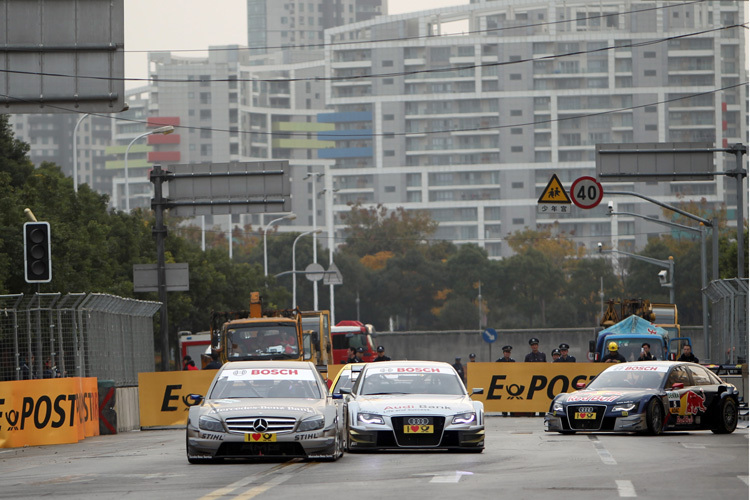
x: 260, y: 425
x: 418, y: 421
x: 585, y: 409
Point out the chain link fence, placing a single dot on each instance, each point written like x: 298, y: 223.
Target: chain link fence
x: 49, y: 335
x: 728, y: 342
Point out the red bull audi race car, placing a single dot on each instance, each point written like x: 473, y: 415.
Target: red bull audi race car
x: 647, y: 396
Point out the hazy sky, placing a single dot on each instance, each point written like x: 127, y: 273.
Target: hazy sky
x: 196, y: 24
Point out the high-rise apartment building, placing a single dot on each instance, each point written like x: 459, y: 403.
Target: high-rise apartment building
x: 471, y: 127
x: 272, y: 25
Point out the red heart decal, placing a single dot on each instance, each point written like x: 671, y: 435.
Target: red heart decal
x: 256, y: 437
x: 414, y: 428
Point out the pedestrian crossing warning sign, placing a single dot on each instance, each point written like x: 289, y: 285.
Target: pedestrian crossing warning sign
x: 554, y: 192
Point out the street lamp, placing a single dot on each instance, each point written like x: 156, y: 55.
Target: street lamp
x: 161, y: 130
x: 75, y: 152
x: 314, y: 177
x: 294, y: 265
x: 665, y: 278
x: 290, y: 216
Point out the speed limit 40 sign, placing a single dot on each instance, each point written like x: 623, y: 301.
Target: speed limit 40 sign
x: 586, y: 192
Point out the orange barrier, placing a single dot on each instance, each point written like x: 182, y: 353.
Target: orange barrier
x: 163, y: 396
x: 526, y: 387
x: 54, y: 411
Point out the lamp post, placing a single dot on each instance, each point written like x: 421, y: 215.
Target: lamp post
x: 294, y: 265
x: 75, y: 152
x: 161, y: 130
x: 704, y: 270
x: 314, y: 177
x: 668, y: 264
x: 290, y: 216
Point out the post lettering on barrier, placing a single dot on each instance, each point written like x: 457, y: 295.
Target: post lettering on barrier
x: 527, y: 387
x: 51, y: 411
x: 163, y: 397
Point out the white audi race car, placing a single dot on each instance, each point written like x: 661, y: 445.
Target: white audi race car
x: 412, y: 404
x: 265, y: 409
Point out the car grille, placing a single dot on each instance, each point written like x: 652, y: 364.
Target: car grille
x: 240, y: 450
x: 245, y: 425
x: 420, y: 440
x: 586, y: 425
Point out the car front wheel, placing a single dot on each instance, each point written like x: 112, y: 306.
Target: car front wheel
x: 655, y: 417
x: 727, y: 418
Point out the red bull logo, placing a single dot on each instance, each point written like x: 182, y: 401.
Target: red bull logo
x: 691, y: 403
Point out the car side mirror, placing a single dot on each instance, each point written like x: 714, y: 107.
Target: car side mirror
x: 580, y: 385
x: 678, y: 385
x: 337, y: 396
x: 477, y: 390
x: 345, y: 390
x: 195, y: 398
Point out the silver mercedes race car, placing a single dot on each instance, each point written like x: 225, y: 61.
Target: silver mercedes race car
x: 268, y: 409
x: 413, y: 404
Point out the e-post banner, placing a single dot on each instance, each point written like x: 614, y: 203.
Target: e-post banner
x: 526, y: 387
x: 163, y: 396
x: 50, y: 411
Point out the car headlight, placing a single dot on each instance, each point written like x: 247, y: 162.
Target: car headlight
x: 312, y: 423
x: 370, y: 418
x: 557, y: 406
x: 210, y: 424
x: 624, y: 407
x: 465, y: 418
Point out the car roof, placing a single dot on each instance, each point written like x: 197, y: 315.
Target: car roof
x: 396, y: 364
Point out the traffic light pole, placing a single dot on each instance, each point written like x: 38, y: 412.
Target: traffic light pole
x: 160, y: 233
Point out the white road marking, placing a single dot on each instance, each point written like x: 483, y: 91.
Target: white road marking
x: 625, y: 488
x: 279, y: 474
x: 743, y: 479
x: 693, y: 446
x: 450, y: 478
x: 275, y: 480
x: 605, y: 455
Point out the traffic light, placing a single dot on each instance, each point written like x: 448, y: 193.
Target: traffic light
x: 37, y: 255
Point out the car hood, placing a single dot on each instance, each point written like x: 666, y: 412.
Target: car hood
x: 605, y: 396
x: 398, y: 404
x: 278, y: 407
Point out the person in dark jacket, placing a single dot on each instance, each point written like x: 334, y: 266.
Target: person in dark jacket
x: 460, y: 369
x: 646, y: 353
x: 687, y: 354
x: 535, y: 356
x: 352, y: 356
x: 506, y: 355
x: 614, y: 355
x: 564, y: 357
x: 381, y: 354
x: 214, y: 364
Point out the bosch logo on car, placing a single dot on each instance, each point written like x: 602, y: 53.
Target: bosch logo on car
x: 274, y: 371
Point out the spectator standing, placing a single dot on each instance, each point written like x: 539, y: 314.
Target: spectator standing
x: 472, y: 358
x: 555, y: 355
x: 185, y: 361
x: 687, y: 354
x: 381, y: 354
x: 360, y: 354
x: 535, y: 356
x: 564, y: 357
x: 214, y: 364
x: 351, y: 356
x: 646, y: 353
x: 460, y: 369
x: 506, y: 355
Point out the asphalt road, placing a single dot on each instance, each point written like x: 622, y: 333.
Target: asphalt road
x: 520, y: 461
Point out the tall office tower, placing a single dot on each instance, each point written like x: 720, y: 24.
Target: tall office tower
x: 472, y: 126
x: 272, y: 25
x: 51, y: 137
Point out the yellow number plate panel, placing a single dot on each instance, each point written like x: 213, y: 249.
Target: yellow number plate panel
x: 419, y: 429
x: 258, y: 437
x: 585, y: 416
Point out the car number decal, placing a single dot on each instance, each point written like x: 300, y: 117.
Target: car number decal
x: 258, y: 437
x: 419, y: 429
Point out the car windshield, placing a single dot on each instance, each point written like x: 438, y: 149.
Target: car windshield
x: 377, y: 382
x: 266, y: 383
x: 262, y: 341
x: 628, y: 379
x: 346, y: 381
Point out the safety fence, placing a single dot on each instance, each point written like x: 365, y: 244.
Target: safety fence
x: 51, y: 335
x: 729, y: 314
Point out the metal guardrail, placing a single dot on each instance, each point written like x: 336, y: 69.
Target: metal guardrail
x: 729, y: 313
x: 48, y: 335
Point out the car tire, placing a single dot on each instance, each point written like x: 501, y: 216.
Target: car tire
x: 726, y: 420
x: 655, y: 417
x: 567, y: 433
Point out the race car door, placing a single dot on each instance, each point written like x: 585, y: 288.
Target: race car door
x: 687, y: 402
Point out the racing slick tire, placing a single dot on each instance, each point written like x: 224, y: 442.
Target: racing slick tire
x: 337, y: 450
x: 567, y: 433
x: 726, y: 420
x: 655, y: 417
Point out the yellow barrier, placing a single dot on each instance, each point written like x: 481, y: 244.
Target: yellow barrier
x: 54, y: 411
x: 163, y: 396
x: 526, y: 387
